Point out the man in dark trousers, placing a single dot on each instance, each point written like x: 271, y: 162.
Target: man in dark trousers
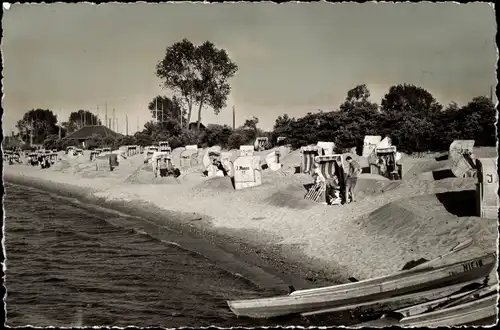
x: 352, y: 177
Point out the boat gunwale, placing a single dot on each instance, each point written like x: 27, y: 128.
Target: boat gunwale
x: 413, y: 295
x: 465, y: 307
x: 411, y: 277
x: 444, y: 274
x: 385, y: 277
x: 430, y: 304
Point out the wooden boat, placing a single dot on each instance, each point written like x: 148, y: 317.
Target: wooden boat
x: 471, y: 312
x: 446, y: 302
x: 443, y: 293
x: 369, y: 290
x: 421, y: 267
x: 410, y: 312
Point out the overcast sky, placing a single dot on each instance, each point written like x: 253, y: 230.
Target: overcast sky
x: 293, y: 58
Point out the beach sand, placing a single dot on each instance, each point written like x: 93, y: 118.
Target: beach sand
x: 303, y: 243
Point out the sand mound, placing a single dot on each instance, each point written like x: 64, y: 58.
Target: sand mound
x: 422, y: 225
x: 415, y: 167
x: 61, y: 166
x: 214, y: 185
x: 369, y: 185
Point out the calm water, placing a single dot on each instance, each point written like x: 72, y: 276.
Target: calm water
x: 67, y: 266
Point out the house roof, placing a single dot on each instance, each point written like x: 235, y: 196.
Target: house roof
x: 194, y: 125
x: 87, y: 131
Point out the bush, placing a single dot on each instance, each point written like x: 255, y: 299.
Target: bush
x: 69, y: 143
x: 175, y: 142
x: 216, y: 135
x: 236, y: 140
x: 142, y: 139
x: 190, y: 137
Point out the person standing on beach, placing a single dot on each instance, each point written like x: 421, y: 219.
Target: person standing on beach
x: 352, y: 177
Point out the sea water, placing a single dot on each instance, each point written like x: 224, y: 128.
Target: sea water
x: 69, y: 266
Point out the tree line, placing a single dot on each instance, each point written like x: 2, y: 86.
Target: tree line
x: 198, y: 78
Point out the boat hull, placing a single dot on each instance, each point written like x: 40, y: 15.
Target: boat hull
x: 479, y: 310
x: 353, y: 293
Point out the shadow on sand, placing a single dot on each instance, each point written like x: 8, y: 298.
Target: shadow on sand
x: 443, y: 157
x: 442, y: 174
x: 459, y: 203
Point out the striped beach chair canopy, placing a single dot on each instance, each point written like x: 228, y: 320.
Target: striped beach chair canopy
x: 165, y: 149
x: 163, y: 143
x: 330, y: 166
x: 308, y: 153
x: 260, y: 143
x: 388, y: 150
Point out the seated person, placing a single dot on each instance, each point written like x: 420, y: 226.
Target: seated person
x: 165, y: 167
x: 219, y: 166
x: 382, y: 167
x: 332, y: 191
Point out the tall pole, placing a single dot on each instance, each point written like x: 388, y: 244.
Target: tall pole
x: 60, y: 124
x: 106, y: 123
x: 97, y: 116
x: 126, y: 124
x: 109, y: 123
x: 117, y: 129
x: 234, y: 118
x: 114, y: 119
x: 156, y: 111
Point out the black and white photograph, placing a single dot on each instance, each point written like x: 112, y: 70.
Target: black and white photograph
x: 250, y: 164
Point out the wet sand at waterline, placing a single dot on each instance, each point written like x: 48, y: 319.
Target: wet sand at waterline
x: 391, y: 224
x: 73, y: 265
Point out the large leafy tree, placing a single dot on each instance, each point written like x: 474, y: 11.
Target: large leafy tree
x: 167, y: 109
x: 38, y: 123
x: 358, y: 99
x: 409, y: 116
x: 80, y: 118
x: 409, y: 99
x: 476, y: 121
x: 360, y: 117
x: 199, y: 74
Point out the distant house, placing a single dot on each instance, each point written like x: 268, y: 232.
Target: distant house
x: 86, y: 132
x: 193, y: 126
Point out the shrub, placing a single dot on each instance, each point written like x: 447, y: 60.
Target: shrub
x: 236, y: 140
x: 190, y: 137
x: 175, y: 142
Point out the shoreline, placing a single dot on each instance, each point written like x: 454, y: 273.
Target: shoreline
x: 272, y: 228
x: 268, y: 266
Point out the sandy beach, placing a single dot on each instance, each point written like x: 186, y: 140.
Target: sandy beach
x: 303, y: 243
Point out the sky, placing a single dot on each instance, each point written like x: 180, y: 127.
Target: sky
x: 293, y: 58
